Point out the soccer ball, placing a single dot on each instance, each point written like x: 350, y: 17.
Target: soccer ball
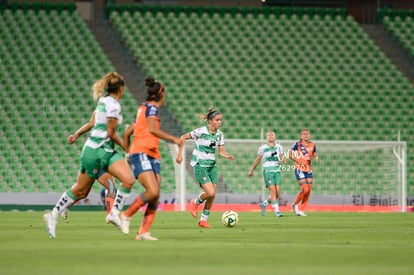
x: 230, y: 218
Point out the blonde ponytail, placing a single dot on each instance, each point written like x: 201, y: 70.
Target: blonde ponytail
x: 113, y: 79
x: 212, y: 112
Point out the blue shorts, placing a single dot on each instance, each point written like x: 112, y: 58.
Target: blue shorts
x: 300, y: 175
x: 141, y: 162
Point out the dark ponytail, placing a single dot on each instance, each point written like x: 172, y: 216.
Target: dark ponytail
x: 154, y: 89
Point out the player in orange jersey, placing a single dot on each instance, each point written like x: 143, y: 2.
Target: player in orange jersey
x: 302, y: 152
x: 144, y: 157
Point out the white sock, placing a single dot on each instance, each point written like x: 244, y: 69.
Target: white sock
x: 198, y: 200
x: 64, y: 202
x: 204, y: 215
x: 275, y: 206
x: 120, y: 200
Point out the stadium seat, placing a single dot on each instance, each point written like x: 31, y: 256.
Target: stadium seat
x: 36, y: 111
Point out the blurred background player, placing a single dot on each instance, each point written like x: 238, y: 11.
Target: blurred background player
x: 145, y: 157
x: 207, y: 140
x: 272, y: 155
x: 302, y: 152
x: 104, y: 178
x: 98, y: 153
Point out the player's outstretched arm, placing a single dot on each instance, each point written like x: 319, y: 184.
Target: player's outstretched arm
x: 83, y: 129
x: 254, y: 165
x: 225, y: 154
x: 183, y: 138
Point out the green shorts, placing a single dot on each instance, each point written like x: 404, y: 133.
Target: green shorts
x: 205, y: 174
x: 93, y: 161
x: 272, y: 178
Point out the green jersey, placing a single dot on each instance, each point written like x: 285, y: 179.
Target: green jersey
x: 204, y: 152
x: 271, y: 157
x: 98, y: 136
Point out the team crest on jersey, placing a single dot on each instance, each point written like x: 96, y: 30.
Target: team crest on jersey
x: 95, y: 171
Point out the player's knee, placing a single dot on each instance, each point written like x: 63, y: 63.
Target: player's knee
x: 80, y: 194
x: 210, y: 194
x: 152, y: 194
x: 306, y: 188
x: 128, y: 182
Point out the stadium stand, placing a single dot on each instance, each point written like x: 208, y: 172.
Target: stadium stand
x: 49, y: 59
x: 283, y: 68
x: 275, y: 67
x: 401, y: 24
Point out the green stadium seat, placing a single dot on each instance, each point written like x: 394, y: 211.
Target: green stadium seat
x: 289, y: 54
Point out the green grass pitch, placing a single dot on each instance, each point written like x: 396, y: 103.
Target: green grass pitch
x: 322, y: 243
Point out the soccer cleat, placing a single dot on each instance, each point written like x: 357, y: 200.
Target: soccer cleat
x: 64, y: 214
x: 301, y: 214
x: 114, y: 219
x: 145, y: 237
x: 204, y: 224
x: 279, y: 214
x: 50, y: 224
x: 125, y: 221
x: 295, y: 209
x: 263, y: 207
x: 194, y: 207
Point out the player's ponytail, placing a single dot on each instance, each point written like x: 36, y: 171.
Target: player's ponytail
x: 211, y: 113
x: 108, y: 83
x: 154, y: 89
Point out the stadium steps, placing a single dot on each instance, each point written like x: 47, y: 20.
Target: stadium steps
x: 392, y: 48
x: 126, y: 64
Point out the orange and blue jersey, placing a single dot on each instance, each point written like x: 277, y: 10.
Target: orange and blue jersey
x: 144, y: 141
x: 304, y: 153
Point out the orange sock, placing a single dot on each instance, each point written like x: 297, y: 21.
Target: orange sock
x: 300, y: 195
x: 149, y: 217
x: 135, y: 206
x: 307, y: 190
x: 109, y: 202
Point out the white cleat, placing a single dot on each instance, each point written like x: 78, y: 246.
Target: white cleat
x: 114, y: 219
x: 145, y: 237
x: 50, y: 224
x: 125, y: 221
x: 64, y: 214
x: 301, y: 214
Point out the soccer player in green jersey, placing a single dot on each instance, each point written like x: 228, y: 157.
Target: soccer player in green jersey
x: 105, y: 179
x: 98, y: 153
x: 272, y: 155
x: 207, y: 140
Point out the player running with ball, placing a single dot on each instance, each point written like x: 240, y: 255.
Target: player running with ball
x: 207, y: 140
